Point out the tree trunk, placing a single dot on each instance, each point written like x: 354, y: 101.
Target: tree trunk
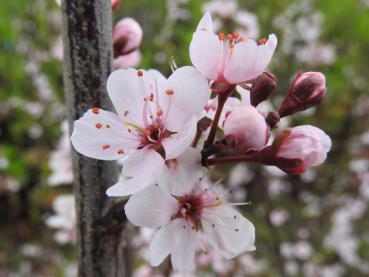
x: 87, y: 37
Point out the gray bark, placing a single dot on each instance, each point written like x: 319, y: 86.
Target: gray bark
x: 87, y: 38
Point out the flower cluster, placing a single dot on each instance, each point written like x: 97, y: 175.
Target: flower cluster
x: 168, y: 131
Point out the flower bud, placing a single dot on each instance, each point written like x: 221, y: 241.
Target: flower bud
x: 115, y: 4
x: 307, y: 90
x: 296, y: 149
x: 127, y: 36
x: 247, y: 129
x: 261, y: 89
x: 131, y: 59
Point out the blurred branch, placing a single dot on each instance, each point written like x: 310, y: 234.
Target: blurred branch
x: 87, y: 36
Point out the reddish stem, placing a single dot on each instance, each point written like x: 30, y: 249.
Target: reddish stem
x: 233, y: 159
x: 222, y: 98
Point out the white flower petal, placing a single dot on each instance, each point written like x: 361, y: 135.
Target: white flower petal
x: 206, y: 53
x: 161, y: 244
x: 101, y: 135
x: 127, y: 91
x: 146, y: 161
x: 184, y: 246
x: 190, y: 95
x: 228, y: 231
x: 205, y: 23
x: 127, y: 186
x: 179, y: 176
x: 177, y: 143
x: 152, y: 207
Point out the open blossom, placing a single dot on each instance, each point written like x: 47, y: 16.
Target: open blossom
x: 297, y: 149
x: 229, y: 59
x: 198, y: 212
x: 155, y: 121
x: 247, y: 128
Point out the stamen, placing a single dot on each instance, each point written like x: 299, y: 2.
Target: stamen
x: 216, y: 204
x: 133, y: 125
x: 221, y: 36
x: 98, y: 125
x: 147, y: 133
x: 108, y: 126
x: 106, y: 146
x: 126, y: 113
x: 235, y: 35
x: 139, y: 73
x: 120, y: 152
x: 240, y: 204
x: 229, y: 37
x: 95, y: 110
x: 231, y: 46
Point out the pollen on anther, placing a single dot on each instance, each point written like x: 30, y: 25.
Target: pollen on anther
x: 129, y: 130
x: 159, y: 113
x: 95, y: 110
x: 147, y: 133
x: 106, y: 146
x: 235, y: 35
x: 170, y: 92
x: 221, y: 36
x: 98, y: 125
x: 120, y: 152
x: 229, y: 37
x: 231, y: 46
x: 140, y: 73
x: 108, y: 126
x: 126, y: 113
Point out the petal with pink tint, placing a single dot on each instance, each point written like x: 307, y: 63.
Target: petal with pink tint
x: 176, y: 144
x: 130, y: 32
x: 205, y: 50
x: 145, y: 160
x: 152, y: 207
x: 179, y: 176
x: 102, y: 135
x: 127, y: 186
x: 189, y: 95
x: 248, y: 60
x: 228, y: 231
x: 127, y: 91
x: 184, y: 246
x: 128, y: 60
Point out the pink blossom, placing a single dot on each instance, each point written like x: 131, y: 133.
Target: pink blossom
x: 301, y: 147
x: 155, y: 122
x: 229, y: 59
x: 131, y: 59
x: 247, y: 127
x: 199, y: 210
x: 115, y: 4
x: 127, y: 36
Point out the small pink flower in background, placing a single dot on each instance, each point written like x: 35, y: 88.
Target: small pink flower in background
x: 64, y: 219
x: 229, y: 59
x: 155, y: 122
x: 200, y: 210
x: 297, y: 149
x: 115, y: 4
x: 247, y: 128
x: 307, y: 90
x: 127, y: 37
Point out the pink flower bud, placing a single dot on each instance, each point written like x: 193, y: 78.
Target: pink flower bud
x: 127, y: 36
x: 247, y: 128
x: 131, y: 59
x: 307, y: 90
x: 115, y: 4
x: 262, y: 88
x: 296, y: 149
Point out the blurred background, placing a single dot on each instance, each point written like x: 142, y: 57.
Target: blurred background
x: 315, y: 224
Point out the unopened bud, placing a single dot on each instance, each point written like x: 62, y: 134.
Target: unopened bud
x: 307, y: 90
x: 247, y: 129
x: 115, y: 4
x: 272, y: 119
x: 261, y: 89
x: 127, y: 36
x: 296, y: 149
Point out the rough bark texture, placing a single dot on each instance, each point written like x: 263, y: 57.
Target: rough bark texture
x: 87, y: 36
